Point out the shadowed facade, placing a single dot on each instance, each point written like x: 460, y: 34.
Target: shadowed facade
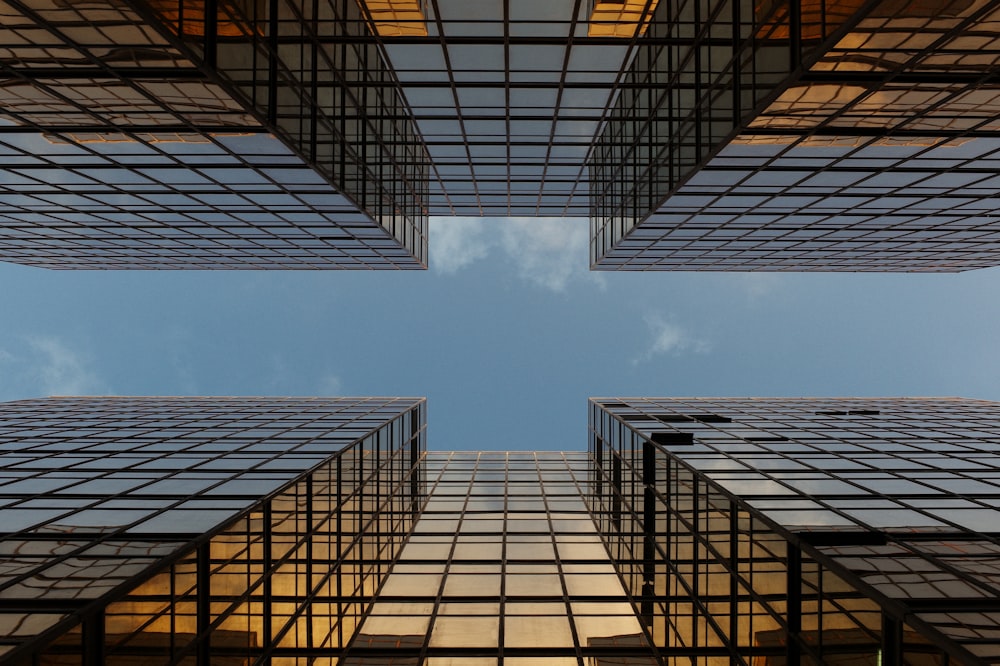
x: 787, y: 135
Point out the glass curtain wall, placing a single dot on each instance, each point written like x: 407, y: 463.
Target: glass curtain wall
x: 754, y: 532
x: 802, y: 135
x: 504, y: 567
x: 205, y: 134
x: 251, y: 568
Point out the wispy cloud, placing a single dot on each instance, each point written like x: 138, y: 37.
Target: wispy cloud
x: 667, y: 338
x: 62, y: 370
x: 46, y: 365
x: 760, y: 285
x: 547, y: 252
x: 457, y: 242
x: 330, y: 385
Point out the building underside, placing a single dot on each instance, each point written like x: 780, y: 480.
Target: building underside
x: 791, y: 135
x: 805, y: 136
x: 193, y: 135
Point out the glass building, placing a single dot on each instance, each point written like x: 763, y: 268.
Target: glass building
x: 198, y: 530
x: 804, y: 135
x: 319, y: 531
x: 204, y: 134
x: 805, y: 531
x: 695, y: 134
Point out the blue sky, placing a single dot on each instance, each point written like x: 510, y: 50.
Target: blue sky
x: 507, y: 334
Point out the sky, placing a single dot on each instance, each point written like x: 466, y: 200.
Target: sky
x: 507, y: 334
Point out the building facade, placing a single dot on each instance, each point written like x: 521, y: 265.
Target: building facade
x: 696, y: 135
x: 805, y: 531
x: 199, y: 530
x: 289, y: 531
x: 194, y: 134
x: 826, y: 135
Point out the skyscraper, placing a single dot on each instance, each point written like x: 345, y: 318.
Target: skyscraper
x: 831, y: 135
x: 198, y: 530
x: 790, y: 135
x: 805, y: 531
x: 204, y: 135
x: 283, y: 531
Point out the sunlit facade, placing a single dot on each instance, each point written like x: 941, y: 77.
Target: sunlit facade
x: 696, y: 135
x: 805, y: 531
x: 504, y: 563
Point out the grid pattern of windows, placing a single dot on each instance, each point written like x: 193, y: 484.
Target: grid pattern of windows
x: 183, y: 530
x: 804, y: 136
x: 714, y: 135
x: 504, y: 568
x: 162, y: 134
x: 814, y: 530
x: 291, y: 531
x: 508, y: 96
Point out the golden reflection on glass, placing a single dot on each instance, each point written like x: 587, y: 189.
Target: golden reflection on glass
x: 819, y: 18
x: 396, y: 18
x: 187, y: 18
x: 537, y: 630
x: 465, y: 631
x: 620, y: 19
x: 159, y: 616
x: 502, y: 586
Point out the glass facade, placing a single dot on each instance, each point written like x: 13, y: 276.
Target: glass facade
x: 504, y: 567
x: 190, y: 134
x: 199, y: 530
x: 802, y: 135
x: 696, y: 134
x: 319, y: 531
x: 508, y: 96
x: 805, y: 531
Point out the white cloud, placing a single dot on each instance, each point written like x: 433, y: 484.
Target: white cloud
x: 546, y: 252
x: 60, y: 370
x: 330, y: 385
x: 549, y: 252
x: 457, y: 242
x: 669, y: 338
x: 45, y: 365
x: 760, y: 284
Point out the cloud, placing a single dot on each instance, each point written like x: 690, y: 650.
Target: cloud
x: 330, y: 385
x: 760, y: 284
x: 45, y: 365
x: 549, y: 252
x: 546, y: 252
x: 457, y: 242
x: 61, y: 370
x: 669, y: 338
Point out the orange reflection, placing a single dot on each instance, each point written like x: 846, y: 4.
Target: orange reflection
x: 619, y: 19
x: 395, y: 18
x: 189, y: 16
x: 821, y: 17
x: 97, y: 137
